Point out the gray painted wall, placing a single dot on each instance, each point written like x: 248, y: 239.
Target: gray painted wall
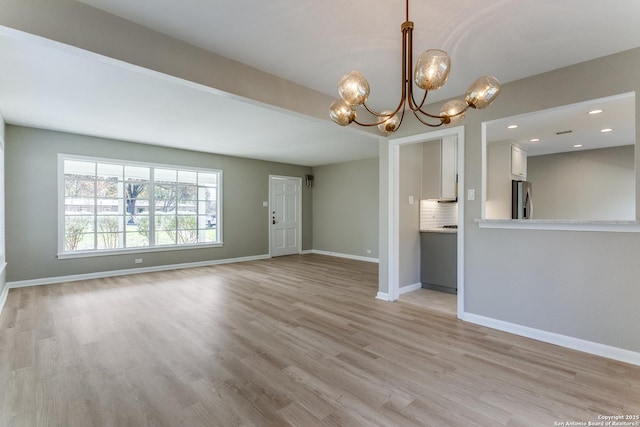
x: 579, y: 284
x: 588, y: 184
x: 409, y: 225
x: 345, y: 208
x: 31, y: 195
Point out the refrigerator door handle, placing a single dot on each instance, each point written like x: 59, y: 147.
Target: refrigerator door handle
x: 528, y: 203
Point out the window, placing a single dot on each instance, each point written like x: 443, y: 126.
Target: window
x: 110, y: 206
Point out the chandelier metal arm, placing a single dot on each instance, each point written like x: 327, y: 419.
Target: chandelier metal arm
x: 407, y: 72
x: 421, y: 120
x: 431, y: 73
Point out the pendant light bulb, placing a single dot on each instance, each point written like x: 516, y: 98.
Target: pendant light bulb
x: 482, y: 92
x: 432, y: 69
x: 353, y: 88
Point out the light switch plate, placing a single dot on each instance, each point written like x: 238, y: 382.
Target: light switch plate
x: 471, y: 194
x: 410, y: 200
x: 265, y: 204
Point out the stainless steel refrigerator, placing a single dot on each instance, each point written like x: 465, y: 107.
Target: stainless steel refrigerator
x: 521, y: 200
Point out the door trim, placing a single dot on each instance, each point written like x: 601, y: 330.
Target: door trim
x: 393, y: 204
x: 299, y: 207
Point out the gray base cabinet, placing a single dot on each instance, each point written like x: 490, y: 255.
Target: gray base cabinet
x: 438, y: 261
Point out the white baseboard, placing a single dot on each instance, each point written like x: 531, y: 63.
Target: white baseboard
x: 339, y: 255
x: 383, y: 296
x: 410, y: 288
x: 591, y: 347
x: 112, y: 273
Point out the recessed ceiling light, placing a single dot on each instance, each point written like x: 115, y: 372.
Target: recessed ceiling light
x: 512, y: 126
x: 595, y: 111
x: 606, y: 130
x: 535, y: 140
x: 577, y: 145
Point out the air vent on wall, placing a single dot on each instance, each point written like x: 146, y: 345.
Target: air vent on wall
x: 562, y: 132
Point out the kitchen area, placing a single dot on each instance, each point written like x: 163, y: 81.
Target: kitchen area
x: 431, y: 224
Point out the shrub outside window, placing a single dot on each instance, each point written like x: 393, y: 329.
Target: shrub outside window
x: 112, y: 206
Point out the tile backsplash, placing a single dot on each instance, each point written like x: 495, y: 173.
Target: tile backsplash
x: 435, y: 215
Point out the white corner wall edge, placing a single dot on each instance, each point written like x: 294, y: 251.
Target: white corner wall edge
x: 339, y: 255
x: 615, y: 353
x: 113, y: 273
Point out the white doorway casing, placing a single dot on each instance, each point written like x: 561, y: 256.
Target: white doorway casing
x: 393, y: 203
x: 285, y: 215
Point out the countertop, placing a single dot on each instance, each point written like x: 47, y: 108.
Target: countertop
x: 439, y: 230
x: 624, y: 226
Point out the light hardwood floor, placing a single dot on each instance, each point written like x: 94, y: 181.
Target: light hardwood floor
x: 296, y: 340
x: 432, y: 300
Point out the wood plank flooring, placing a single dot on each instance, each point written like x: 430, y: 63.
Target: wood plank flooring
x: 296, y: 340
x: 432, y: 300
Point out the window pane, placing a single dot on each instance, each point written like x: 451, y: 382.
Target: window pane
x: 138, y: 231
x: 187, y: 177
x: 165, y: 222
x: 187, y: 237
x: 165, y: 198
x: 207, y: 201
x: 110, y: 240
x: 137, y: 173
x: 79, y: 168
x: 109, y: 189
x: 165, y: 175
x: 75, y: 205
x: 207, y: 236
x: 82, y: 242
x: 138, y: 207
x: 74, y: 187
x: 110, y: 206
x: 110, y: 223
x: 136, y: 189
x: 75, y: 230
x: 188, y: 193
x: 187, y: 222
x: 136, y: 240
x: 207, y: 179
x: 110, y: 172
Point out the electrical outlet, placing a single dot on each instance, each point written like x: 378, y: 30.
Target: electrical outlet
x: 368, y: 251
x: 138, y: 260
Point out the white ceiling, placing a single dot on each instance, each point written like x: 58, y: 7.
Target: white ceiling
x: 570, y: 127
x: 310, y: 43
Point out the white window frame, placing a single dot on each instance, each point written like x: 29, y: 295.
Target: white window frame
x: 62, y: 254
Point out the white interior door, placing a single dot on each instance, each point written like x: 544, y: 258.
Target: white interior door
x: 285, y: 206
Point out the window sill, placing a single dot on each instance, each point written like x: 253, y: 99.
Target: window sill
x: 90, y: 254
x: 561, y: 225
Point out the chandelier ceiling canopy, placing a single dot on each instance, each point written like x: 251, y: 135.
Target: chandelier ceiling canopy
x: 431, y: 72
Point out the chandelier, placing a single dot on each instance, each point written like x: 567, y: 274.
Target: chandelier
x: 431, y: 72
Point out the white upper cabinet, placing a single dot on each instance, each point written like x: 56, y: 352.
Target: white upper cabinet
x: 440, y: 169
x: 518, y: 162
x: 449, y: 168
